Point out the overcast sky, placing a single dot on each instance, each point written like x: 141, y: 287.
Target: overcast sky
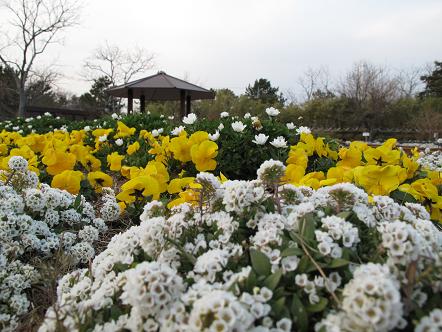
x: 230, y: 43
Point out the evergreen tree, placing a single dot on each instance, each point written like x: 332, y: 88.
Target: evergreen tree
x: 262, y: 90
x: 433, y: 82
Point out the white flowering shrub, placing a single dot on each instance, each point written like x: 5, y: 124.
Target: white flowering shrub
x: 431, y: 160
x: 255, y: 256
x: 36, y: 223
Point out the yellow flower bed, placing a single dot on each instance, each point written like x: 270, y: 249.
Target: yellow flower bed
x: 65, y: 159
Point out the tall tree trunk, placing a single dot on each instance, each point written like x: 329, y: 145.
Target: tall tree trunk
x: 22, y: 102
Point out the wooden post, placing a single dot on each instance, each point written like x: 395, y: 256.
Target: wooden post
x: 183, y: 103
x: 142, y: 104
x: 130, y: 101
x: 188, y: 104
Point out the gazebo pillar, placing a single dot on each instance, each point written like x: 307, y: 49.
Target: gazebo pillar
x: 182, y: 103
x: 142, y: 104
x: 188, y: 104
x: 130, y: 101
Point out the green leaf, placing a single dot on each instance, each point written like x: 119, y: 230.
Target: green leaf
x: 308, y: 225
x: 344, y: 215
x: 279, y: 305
x: 338, y: 262
x: 305, y: 265
x: 402, y: 197
x: 300, y: 316
x: 260, y: 262
x: 273, y: 280
x: 77, y: 202
x: 318, y: 307
x: 291, y: 252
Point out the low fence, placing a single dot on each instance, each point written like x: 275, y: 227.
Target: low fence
x: 71, y: 114
x: 357, y: 133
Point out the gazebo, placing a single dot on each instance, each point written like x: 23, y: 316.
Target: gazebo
x: 160, y: 87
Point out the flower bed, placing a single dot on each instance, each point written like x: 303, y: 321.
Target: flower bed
x: 255, y: 256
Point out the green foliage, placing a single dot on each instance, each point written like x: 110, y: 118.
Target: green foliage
x: 433, y: 81
x: 263, y: 90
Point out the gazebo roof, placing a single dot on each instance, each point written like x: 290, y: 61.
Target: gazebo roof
x: 160, y: 87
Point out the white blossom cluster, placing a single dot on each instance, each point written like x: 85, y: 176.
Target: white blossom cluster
x: 37, y: 222
x: 238, y: 262
x: 431, y: 161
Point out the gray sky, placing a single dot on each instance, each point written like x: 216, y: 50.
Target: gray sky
x: 231, y: 43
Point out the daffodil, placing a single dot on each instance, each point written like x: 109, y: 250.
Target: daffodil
x: 114, y: 161
x: 68, y: 180
x: 98, y: 180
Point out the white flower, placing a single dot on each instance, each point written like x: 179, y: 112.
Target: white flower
x: 18, y: 163
x: 87, y: 128
x: 39, y: 117
x: 215, y: 136
x: 47, y: 114
x: 279, y: 142
x: 119, y: 142
x: 177, y: 130
x: 271, y: 111
x: 260, y: 139
x: 290, y: 126
x: 224, y: 114
x: 238, y: 126
x: 102, y: 138
x: 221, y: 126
x: 247, y: 115
x: 155, y: 133
x: 302, y: 129
x: 171, y: 117
x: 114, y: 116
x: 190, y: 119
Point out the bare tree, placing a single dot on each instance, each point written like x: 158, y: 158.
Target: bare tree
x: 367, y: 82
x: 409, y: 81
x: 314, y: 81
x: 119, y: 65
x: 34, y: 25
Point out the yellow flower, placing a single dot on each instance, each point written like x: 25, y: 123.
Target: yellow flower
x: 383, y: 155
x: 410, y: 165
x: 98, y: 180
x: 101, y: 132
x: 68, y: 180
x: 176, y: 185
x: 123, y: 130
x: 138, y: 188
x: 91, y: 163
x: 421, y: 189
x: 203, y: 154
x: 114, y: 161
x: 377, y: 180
x: 320, y: 147
x: 308, y: 143
x: 180, y: 147
x: 293, y: 173
x: 58, y: 161
x: 435, y: 177
x: 297, y: 156
x: 131, y: 149
x: 436, y: 209
x: 350, y: 157
x: 187, y: 196
x: 313, y: 180
x: 340, y: 174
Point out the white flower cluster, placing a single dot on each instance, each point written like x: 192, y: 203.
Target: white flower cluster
x: 238, y: 263
x: 38, y: 222
x: 372, y: 302
x: 431, y: 161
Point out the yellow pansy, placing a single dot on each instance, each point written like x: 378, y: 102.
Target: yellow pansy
x: 176, y: 185
x: 180, y: 147
x: 203, y: 154
x: 138, y: 188
x: 421, y: 189
x: 340, y: 174
x: 123, y: 130
x: 297, y: 156
x: 57, y: 161
x: 98, y: 180
x: 68, y: 180
x: 114, y: 161
x: 293, y: 173
x: 377, y: 180
x: 134, y: 147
